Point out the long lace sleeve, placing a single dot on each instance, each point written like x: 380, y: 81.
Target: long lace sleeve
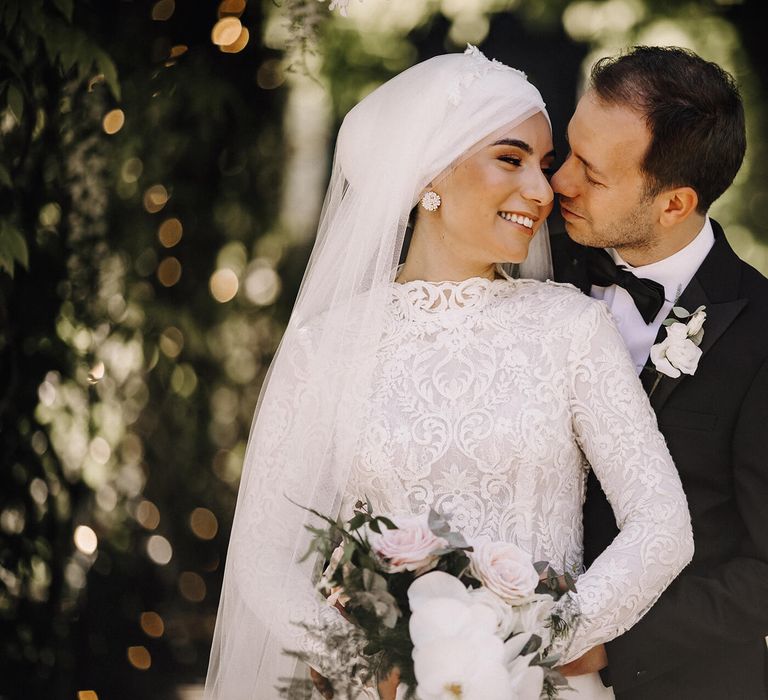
x: 617, y: 432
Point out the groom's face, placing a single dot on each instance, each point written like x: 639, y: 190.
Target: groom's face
x: 601, y: 186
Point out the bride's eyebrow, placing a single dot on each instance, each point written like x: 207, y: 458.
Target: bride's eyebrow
x: 523, y: 146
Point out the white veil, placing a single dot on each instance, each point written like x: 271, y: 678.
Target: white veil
x: 398, y: 139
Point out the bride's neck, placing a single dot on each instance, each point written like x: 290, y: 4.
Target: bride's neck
x: 432, y: 259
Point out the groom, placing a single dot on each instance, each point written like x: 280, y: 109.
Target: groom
x: 658, y: 136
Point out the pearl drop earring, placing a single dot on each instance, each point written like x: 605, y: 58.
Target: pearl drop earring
x: 431, y: 201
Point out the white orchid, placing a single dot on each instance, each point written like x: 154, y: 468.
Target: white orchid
x: 469, y: 667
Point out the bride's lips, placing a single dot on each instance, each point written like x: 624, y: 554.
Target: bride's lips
x: 520, y: 227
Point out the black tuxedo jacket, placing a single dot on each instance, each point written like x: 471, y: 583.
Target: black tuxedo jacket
x: 705, y: 637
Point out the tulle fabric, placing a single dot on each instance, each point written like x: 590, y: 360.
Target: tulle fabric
x: 406, y: 134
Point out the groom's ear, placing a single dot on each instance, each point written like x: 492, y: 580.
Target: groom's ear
x: 677, y: 205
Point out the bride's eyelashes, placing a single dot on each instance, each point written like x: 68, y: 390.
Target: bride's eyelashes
x: 512, y: 160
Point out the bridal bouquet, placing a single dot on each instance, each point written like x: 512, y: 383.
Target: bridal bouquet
x: 456, y: 621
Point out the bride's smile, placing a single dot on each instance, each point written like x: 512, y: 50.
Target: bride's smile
x: 492, y: 203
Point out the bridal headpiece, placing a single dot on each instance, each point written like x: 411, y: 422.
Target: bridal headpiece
x: 408, y: 132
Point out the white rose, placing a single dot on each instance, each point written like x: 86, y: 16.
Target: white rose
x: 695, y: 322
x: 505, y: 569
x: 412, y: 546
x: 676, y: 354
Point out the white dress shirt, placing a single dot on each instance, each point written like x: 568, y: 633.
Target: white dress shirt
x: 674, y: 272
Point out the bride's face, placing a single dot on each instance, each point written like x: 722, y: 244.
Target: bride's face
x: 495, y: 201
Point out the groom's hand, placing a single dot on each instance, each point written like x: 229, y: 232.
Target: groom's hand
x: 593, y: 661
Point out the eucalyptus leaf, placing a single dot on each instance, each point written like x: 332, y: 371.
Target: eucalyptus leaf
x: 532, y: 645
x: 680, y: 312
x: 669, y: 321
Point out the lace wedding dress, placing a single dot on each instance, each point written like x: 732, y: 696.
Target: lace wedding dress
x: 491, y: 400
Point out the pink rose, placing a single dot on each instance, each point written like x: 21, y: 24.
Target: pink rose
x: 412, y: 547
x: 505, y: 569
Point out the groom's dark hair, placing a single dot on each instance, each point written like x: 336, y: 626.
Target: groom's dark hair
x: 693, y: 111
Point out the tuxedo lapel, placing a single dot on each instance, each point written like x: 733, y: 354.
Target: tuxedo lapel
x: 714, y: 286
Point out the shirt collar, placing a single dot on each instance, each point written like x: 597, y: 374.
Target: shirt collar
x: 676, y: 271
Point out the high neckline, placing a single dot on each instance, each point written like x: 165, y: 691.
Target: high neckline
x: 435, y: 297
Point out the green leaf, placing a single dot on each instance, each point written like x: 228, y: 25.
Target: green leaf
x: 357, y: 521
x: 386, y: 522
x: 65, y: 7
x: 669, y: 321
x: 106, y: 66
x: 680, y: 312
x: 13, y: 248
x: 531, y: 645
x: 16, y: 102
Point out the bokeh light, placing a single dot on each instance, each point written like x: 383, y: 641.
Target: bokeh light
x: 147, y: 515
x: 203, y: 523
x: 178, y: 50
x: 231, y: 7
x: 85, y: 539
x: 139, y: 657
x: 171, y: 342
x: 155, y: 198
x: 159, y: 550
x: 87, y: 695
x: 224, y: 285
x: 226, y: 31
x: 96, y: 373
x: 169, y: 271
x: 113, y: 121
x: 170, y: 231
x: 270, y: 74
x: 163, y: 10
x: 192, y: 587
x: 152, y: 624
x: 238, y: 44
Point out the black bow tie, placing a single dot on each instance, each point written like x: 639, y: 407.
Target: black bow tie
x: 648, y: 295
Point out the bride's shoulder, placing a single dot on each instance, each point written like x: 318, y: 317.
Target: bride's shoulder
x: 551, y: 296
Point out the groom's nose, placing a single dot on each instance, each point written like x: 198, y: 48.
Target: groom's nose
x: 562, y: 181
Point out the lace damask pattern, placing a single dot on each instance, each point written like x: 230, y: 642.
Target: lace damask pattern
x: 490, y: 401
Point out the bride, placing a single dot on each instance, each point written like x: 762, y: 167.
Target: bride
x: 456, y: 381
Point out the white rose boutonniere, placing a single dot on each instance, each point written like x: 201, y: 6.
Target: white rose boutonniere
x: 679, y: 352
